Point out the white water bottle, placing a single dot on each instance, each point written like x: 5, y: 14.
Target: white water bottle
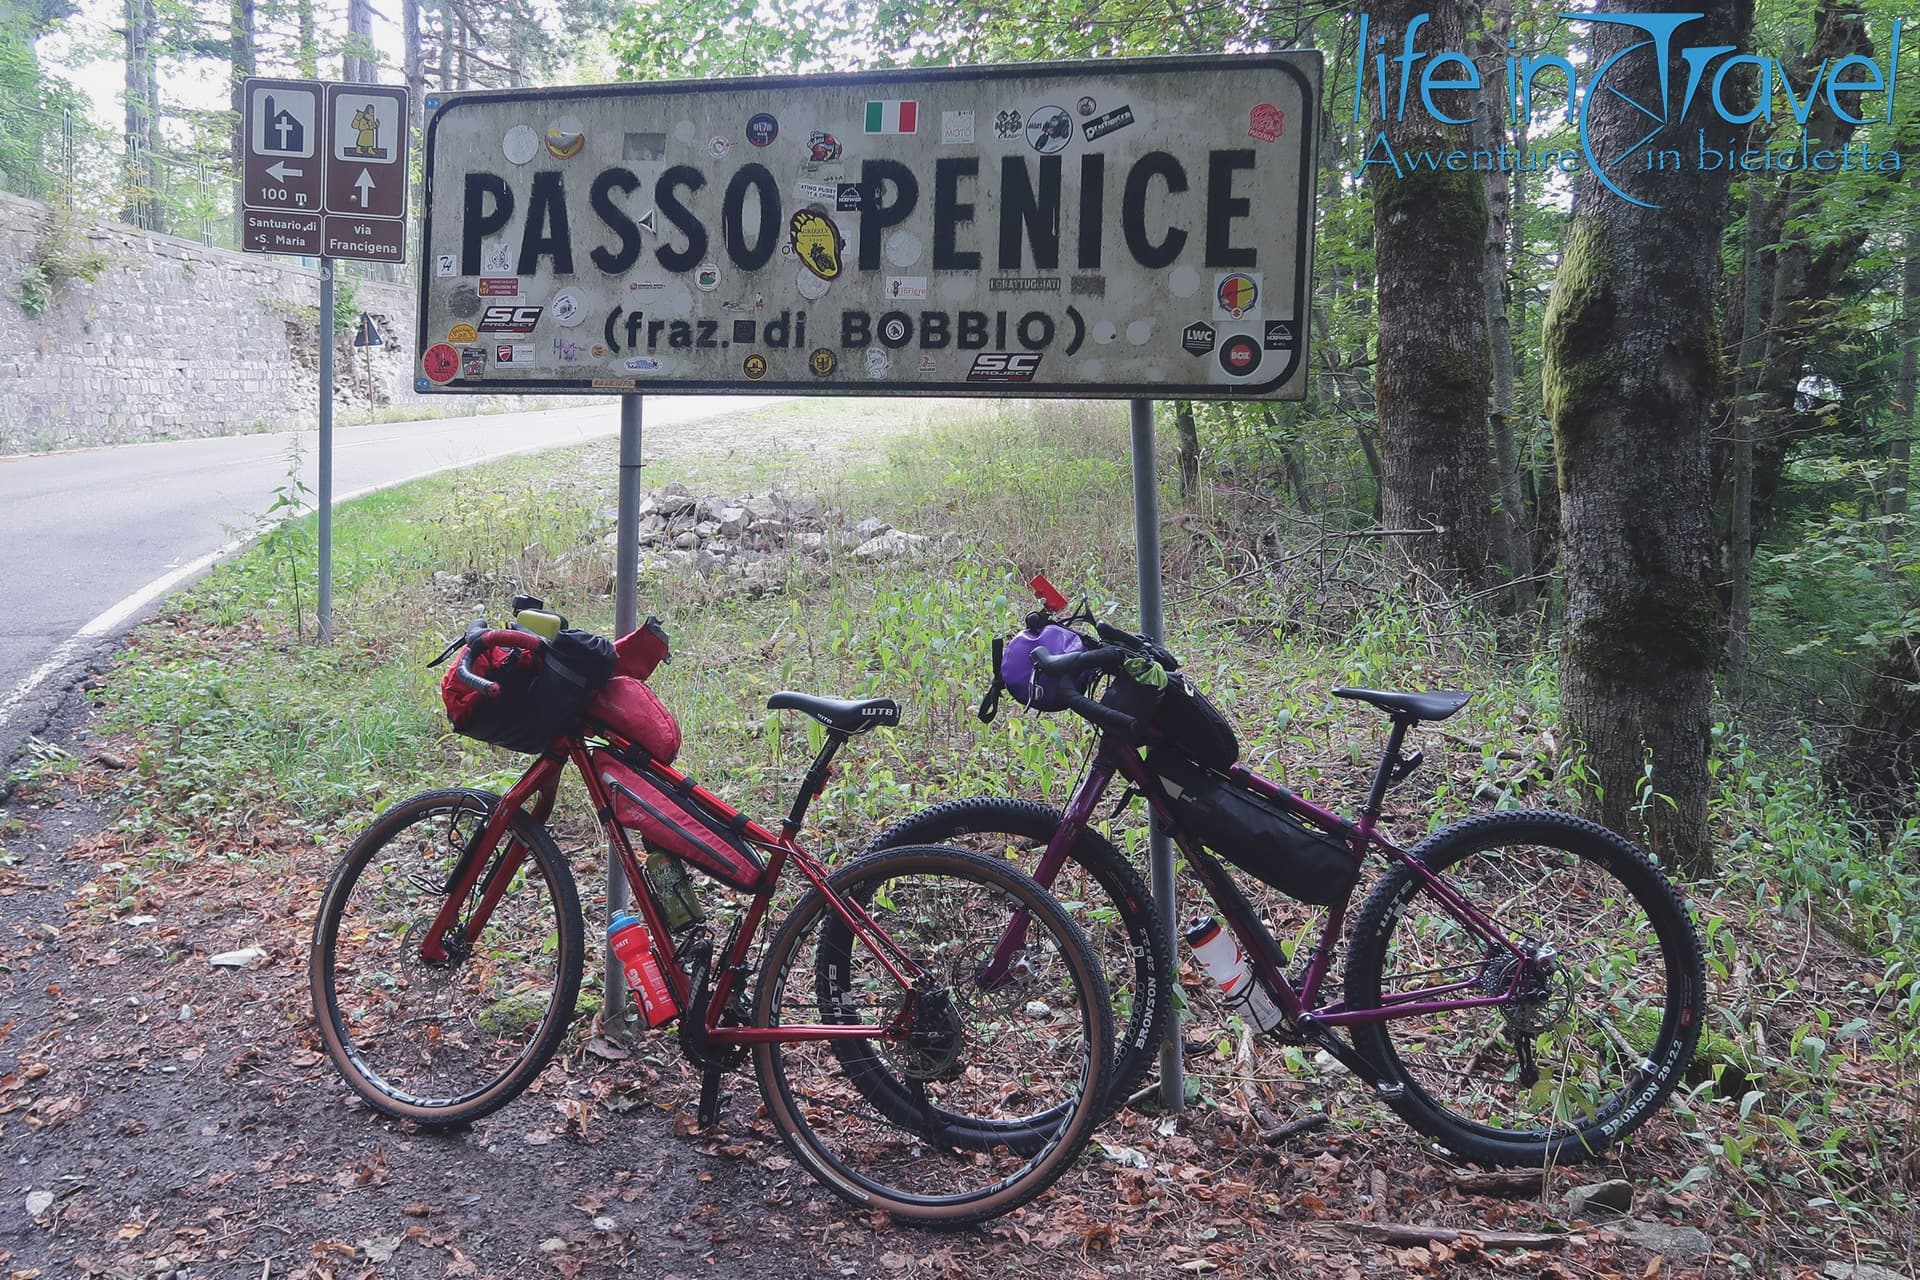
x: 1216, y: 949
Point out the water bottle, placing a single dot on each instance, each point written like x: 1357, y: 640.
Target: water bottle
x: 539, y: 621
x: 1220, y: 954
x: 674, y: 889
x: 631, y: 946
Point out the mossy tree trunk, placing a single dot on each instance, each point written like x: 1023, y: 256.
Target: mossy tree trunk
x: 1631, y: 355
x: 1906, y: 386
x: 1430, y: 227
x: 142, y: 206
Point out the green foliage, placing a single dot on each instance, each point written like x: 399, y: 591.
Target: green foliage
x: 60, y: 256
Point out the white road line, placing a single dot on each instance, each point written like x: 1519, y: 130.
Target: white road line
x: 118, y: 613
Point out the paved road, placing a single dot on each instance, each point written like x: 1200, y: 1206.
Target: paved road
x: 89, y: 539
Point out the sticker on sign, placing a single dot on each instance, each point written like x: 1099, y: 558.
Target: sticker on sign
x: 978, y: 231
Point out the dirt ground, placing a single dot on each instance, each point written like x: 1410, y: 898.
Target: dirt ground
x: 162, y: 1117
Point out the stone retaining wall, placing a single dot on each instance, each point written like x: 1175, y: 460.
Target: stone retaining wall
x: 176, y: 339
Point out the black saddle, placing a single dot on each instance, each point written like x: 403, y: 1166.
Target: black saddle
x: 838, y: 715
x: 1412, y: 706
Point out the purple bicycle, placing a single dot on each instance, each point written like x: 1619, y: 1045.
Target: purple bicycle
x: 1523, y: 987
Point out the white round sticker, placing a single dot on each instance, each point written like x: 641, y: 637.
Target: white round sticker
x: 521, y: 144
x: 567, y: 308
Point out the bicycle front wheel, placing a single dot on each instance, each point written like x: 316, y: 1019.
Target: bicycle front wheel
x: 445, y: 1042
x: 1027, y: 1051
x: 1594, y: 1021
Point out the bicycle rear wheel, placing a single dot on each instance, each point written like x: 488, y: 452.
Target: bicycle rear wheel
x: 1030, y: 1053
x: 445, y: 1042
x: 1605, y: 1009
x: 1102, y: 893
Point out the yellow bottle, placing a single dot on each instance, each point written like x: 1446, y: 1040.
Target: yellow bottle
x: 540, y: 622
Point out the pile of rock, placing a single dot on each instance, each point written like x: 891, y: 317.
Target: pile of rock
x: 760, y: 538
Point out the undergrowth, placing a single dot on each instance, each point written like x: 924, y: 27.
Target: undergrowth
x: 1804, y: 1102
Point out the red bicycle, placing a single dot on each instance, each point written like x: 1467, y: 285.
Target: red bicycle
x: 893, y: 996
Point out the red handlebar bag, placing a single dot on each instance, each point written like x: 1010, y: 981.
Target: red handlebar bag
x: 544, y: 689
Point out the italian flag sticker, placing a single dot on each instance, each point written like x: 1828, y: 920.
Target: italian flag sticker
x: 893, y: 117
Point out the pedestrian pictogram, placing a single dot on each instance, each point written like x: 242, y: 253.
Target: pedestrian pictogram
x: 366, y: 154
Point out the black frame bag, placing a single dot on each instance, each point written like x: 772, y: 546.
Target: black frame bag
x: 1178, y: 716
x: 1254, y: 834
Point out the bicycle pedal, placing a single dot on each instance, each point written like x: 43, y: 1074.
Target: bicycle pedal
x: 709, y: 1113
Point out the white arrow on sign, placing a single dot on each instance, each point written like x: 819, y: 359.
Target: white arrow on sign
x: 362, y: 185
x: 280, y: 172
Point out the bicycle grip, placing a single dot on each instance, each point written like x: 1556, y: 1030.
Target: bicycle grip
x: 1103, y: 717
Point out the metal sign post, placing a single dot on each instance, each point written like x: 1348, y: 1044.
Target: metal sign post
x: 325, y: 175
x: 323, y: 615
x: 626, y: 616
x: 1146, y: 534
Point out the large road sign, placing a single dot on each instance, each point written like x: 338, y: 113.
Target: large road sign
x: 326, y: 169
x: 1112, y: 229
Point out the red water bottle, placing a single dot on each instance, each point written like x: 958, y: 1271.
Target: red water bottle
x: 631, y: 946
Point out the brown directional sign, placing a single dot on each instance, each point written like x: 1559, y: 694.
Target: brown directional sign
x: 294, y: 233
x: 366, y: 150
x: 376, y: 239
x: 285, y: 152
x: 326, y: 169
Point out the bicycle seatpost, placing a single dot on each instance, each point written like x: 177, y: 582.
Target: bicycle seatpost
x: 1383, y: 776
x: 814, y: 783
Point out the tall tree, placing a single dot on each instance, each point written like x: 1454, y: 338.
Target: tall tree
x: 1631, y: 349
x: 1513, y: 537
x: 357, y: 62
x: 1430, y: 227
x: 142, y: 206
x: 242, y: 31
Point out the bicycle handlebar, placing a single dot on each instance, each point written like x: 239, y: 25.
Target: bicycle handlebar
x: 1107, y: 658
x: 477, y: 635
